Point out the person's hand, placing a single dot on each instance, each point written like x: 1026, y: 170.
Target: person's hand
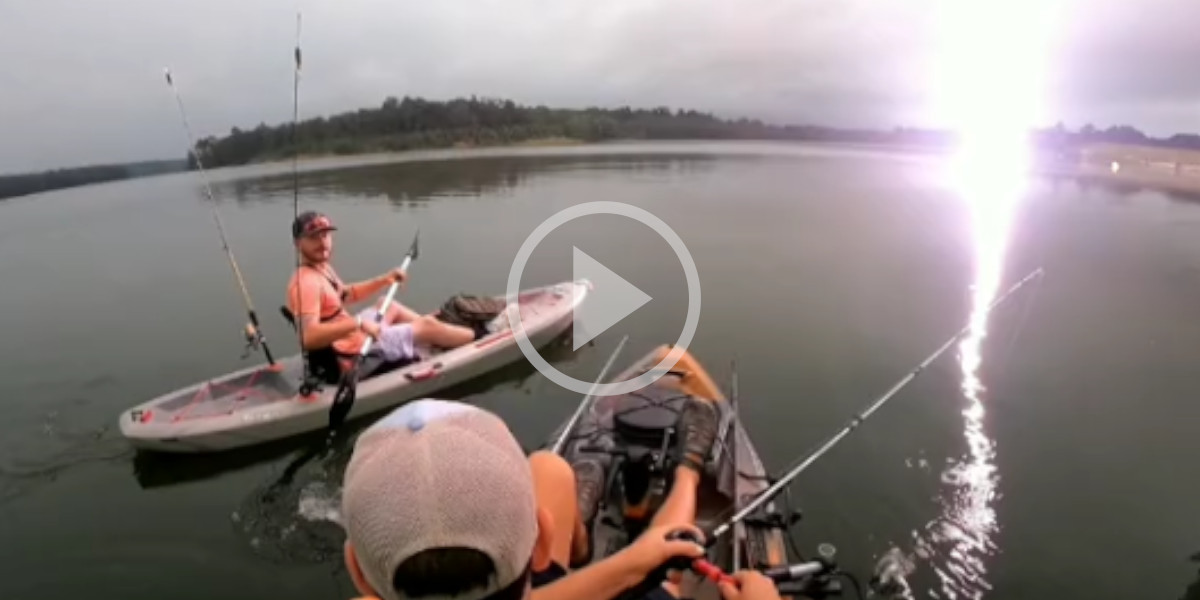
x: 398, y: 275
x: 751, y: 585
x: 371, y: 328
x: 652, y: 549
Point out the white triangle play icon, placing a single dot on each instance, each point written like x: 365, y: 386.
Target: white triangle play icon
x: 613, y: 298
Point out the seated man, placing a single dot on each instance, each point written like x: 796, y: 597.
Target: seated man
x: 318, y: 298
x: 440, y: 501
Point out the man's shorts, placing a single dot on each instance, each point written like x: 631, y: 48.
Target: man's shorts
x: 395, y: 341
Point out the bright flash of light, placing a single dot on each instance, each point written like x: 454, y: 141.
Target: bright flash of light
x: 989, y: 88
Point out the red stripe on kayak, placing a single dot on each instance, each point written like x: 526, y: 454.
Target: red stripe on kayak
x: 429, y: 373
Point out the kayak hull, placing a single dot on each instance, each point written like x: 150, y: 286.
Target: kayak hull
x: 632, y: 454
x: 258, y: 405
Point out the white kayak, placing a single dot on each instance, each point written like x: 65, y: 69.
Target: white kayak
x: 261, y: 404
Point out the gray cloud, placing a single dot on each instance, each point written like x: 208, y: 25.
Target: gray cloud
x: 1130, y: 62
x: 82, y: 81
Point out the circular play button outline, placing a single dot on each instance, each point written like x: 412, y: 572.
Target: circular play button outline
x: 605, y: 207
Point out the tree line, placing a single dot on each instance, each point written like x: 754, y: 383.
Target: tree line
x: 416, y: 123
x: 32, y: 183
x: 413, y: 123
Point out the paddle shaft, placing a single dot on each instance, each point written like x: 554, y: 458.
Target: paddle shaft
x: 778, y: 486
x: 387, y: 301
x: 343, y: 399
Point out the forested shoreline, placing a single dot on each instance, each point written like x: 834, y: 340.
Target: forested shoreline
x: 418, y: 123
x: 44, y: 181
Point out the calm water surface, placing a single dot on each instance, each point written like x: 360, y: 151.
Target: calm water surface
x: 1049, y: 455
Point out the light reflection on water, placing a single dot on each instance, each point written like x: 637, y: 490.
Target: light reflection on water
x: 990, y: 91
x: 989, y: 177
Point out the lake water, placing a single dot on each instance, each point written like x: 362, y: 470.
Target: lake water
x: 1051, y: 458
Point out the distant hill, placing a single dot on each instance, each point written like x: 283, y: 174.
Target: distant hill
x: 414, y: 123
x: 32, y: 183
x: 417, y: 123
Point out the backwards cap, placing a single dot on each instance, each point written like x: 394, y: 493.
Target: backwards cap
x: 438, y: 474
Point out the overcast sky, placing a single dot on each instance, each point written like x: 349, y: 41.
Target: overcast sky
x: 81, y: 81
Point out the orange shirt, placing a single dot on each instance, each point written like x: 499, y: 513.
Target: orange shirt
x: 319, y: 298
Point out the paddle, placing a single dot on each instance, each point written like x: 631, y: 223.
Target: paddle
x: 343, y: 400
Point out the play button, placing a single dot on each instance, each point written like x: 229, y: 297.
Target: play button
x: 613, y: 298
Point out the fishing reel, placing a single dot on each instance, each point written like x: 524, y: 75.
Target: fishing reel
x: 254, y: 340
x: 820, y: 578
x: 817, y: 578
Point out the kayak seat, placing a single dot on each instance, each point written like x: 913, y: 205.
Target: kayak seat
x: 648, y: 416
x: 325, y: 363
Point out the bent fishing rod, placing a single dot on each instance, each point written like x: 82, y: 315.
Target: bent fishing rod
x: 801, y: 577
x: 772, y: 491
x: 254, y: 335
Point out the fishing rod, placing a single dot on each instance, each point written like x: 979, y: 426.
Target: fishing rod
x: 769, y: 493
x: 254, y: 335
x: 734, y: 398
x: 296, y: 200
x: 562, y: 438
x: 814, y: 578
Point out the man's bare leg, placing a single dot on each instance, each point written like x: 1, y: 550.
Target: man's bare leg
x: 680, y: 504
x: 555, y: 491
x: 397, y: 313
x: 698, y: 429
x: 429, y: 330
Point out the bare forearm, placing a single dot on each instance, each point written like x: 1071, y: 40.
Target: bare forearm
x: 601, y: 581
x: 359, y: 291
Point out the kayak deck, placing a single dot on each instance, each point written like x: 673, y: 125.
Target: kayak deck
x: 631, y: 436
x: 224, y: 396
x: 262, y: 403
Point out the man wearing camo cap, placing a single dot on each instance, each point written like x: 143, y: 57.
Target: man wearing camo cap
x: 440, y: 502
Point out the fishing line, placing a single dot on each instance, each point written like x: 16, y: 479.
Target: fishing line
x: 254, y: 334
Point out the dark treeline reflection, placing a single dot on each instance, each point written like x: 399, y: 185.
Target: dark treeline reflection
x: 406, y: 182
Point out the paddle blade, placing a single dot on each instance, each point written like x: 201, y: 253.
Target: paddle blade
x: 415, y: 249
x: 343, y: 401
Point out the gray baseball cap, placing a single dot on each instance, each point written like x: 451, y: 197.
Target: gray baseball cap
x: 439, y: 474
